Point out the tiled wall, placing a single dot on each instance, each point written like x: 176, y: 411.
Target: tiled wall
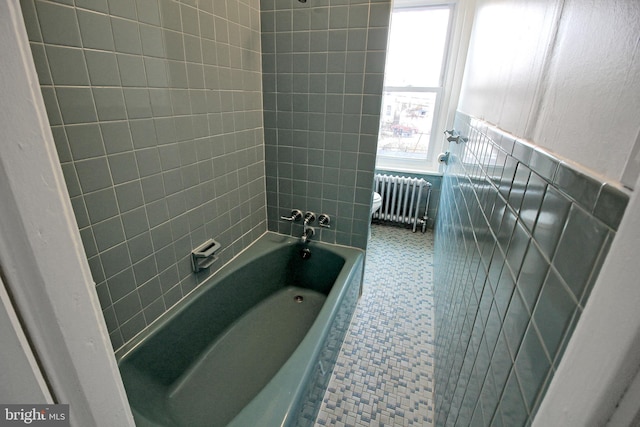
x: 155, y: 108
x: 323, y: 65
x: 520, y: 239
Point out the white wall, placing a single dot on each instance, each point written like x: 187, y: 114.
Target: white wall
x: 20, y: 378
x: 564, y: 74
x: 507, y: 56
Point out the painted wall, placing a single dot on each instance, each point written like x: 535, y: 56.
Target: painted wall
x: 561, y: 78
x: 155, y: 108
x: 563, y: 74
x: 323, y: 65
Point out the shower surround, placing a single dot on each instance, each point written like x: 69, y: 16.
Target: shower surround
x: 323, y: 70
x: 156, y: 111
x: 520, y: 239
x: 156, y: 108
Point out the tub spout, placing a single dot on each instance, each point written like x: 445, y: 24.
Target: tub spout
x: 307, y: 234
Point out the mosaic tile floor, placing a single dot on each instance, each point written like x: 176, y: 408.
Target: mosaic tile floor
x: 384, y: 373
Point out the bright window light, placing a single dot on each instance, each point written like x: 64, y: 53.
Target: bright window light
x: 413, y: 88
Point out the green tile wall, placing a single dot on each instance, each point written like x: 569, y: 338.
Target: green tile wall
x: 156, y: 112
x: 520, y: 239
x: 323, y: 65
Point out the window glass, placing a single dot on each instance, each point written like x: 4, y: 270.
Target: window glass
x: 406, y: 123
x: 416, y: 54
x: 417, y: 43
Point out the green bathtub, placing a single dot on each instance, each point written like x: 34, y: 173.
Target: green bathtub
x: 253, y: 346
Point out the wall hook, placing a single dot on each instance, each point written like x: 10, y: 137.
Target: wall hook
x: 444, y: 157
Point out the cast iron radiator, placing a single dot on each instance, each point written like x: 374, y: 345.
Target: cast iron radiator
x: 402, y: 197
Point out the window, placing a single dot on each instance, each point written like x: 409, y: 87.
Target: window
x: 411, y: 126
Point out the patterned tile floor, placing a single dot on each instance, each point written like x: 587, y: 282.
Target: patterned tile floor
x: 384, y: 373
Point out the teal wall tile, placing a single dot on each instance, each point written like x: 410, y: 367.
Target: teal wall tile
x: 580, y: 187
x: 132, y: 77
x: 62, y: 144
x: 151, y: 38
x: 131, y: 69
x: 108, y: 233
x: 41, y: 63
x: 95, y: 29
x: 308, y: 69
x: 109, y: 103
x: 123, y: 167
x: 103, y: 68
x: 123, y: 8
x: 532, y: 275
x: 85, y: 141
x: 121, y: 284
x: 580, y: 244
x: 93, y: 174
x: 126, y: 36
x: 73, y: 185
x: 127, y: 307
x: 143, y: 133
x: 96, y: 5
x: 145, y: 270
x: 76, y: 105
x: 554, y: 311
x: 532, y: 366
x: 101, y: 205
x: 135, y: 222
x: 58, y: 23
x: 150, y: 292
x: 129, y: 196
x: 551, y: 218
x: 518, y: 246
x: 51, y: 105
x: 148, y: 11
x: 610, y: 205
x: 512, y: 407
x: 31, y: 20
x: 116, y: 137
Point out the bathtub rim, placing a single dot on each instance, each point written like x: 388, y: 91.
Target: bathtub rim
x: 275, y: 404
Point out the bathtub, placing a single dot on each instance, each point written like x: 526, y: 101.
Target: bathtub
x: 253, y: 346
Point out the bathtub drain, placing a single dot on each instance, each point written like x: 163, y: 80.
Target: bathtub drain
x: 298, y: 298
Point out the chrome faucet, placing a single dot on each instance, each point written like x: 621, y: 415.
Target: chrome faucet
x: 308, y: 231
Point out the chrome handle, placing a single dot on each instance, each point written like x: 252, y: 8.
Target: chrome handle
x: 309, y: 217
x: 296, y: 215
x: 454, y: 136
x: 324, y: 220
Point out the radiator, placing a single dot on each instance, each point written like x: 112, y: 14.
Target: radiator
x: 401, y: 199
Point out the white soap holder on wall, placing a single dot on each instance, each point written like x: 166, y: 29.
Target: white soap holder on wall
x: 203, y: 256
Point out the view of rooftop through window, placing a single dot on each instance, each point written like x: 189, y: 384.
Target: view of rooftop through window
x: 413, y: 82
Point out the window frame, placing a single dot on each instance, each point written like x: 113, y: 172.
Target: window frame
x: 447, y: 93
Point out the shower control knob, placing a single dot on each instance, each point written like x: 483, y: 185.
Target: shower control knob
x: 309, y: 217
x: 296, y: 215
x: 324, y: 221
